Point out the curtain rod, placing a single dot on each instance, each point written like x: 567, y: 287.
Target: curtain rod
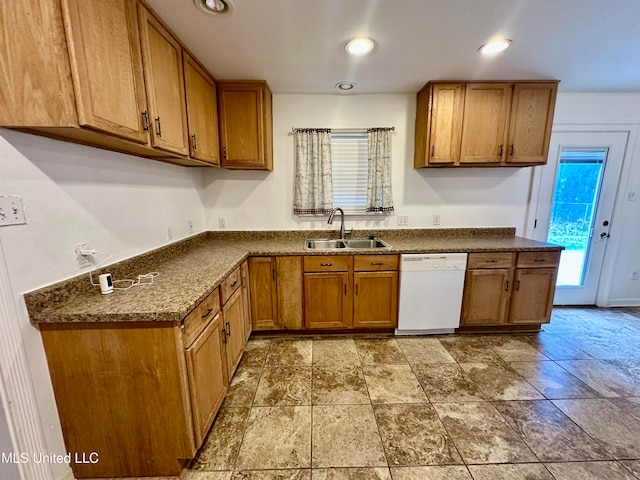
x: 347, y: 130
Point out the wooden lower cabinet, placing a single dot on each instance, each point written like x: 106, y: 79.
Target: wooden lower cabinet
x: 119, y: 388
x: 326, y: 300
x: 246, y: 300
x: 233, y: 315
x: 143, y: 395
x: 276, y: 292
x: 486, y: 296
x: 375, y: 300
x: 207, y: 380
x: 505, y: 288
x: 359, y: 291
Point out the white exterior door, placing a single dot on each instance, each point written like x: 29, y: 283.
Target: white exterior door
x: 576, y: 196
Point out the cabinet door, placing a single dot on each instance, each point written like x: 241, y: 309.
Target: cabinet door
x: 375, y: 299
x: 162, y: 61
x: 207, y: 377
x: 202, y: 112
x: 327, y: 300
x: 486, y: 107
x: 244, y: 276
x: 532, y: 298
x: 245, y: 125
x: 104, y: 48
x: 530, y: 124
x: 446, y: 123
x: 233, y: 317
x: 289, y: 292
x: 264, y: 301
x: 486, y: 296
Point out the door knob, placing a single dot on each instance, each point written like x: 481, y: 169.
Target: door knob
x: 604, y: 235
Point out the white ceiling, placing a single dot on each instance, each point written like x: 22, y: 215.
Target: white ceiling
x: 298, y: 45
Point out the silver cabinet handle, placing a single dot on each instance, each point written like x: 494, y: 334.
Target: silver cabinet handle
x: 158, y: 127
x: 145, y: 116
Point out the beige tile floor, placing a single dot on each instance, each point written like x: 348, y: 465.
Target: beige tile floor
x: 561, y: 404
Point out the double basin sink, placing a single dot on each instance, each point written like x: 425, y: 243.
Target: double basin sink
x: 345, y: 244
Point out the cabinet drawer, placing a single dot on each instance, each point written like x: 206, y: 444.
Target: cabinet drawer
x: 372, y: 263
x: 230, y: 285
x: 326, y: 263
x: 199, y: 318
x: 490, y: 260
x: 538, y: 259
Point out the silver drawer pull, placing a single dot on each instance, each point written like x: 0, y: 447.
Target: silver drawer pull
x: 540, y: 260
x: 492, y: 261
x: 376, y: 263
x: 207, y: 313
x: 326, y: 264
x: 234, y: 283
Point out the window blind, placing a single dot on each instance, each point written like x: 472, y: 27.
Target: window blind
x: 349, y: 170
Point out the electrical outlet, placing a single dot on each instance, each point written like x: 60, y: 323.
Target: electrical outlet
x: 11, y: 211
x: 436, y: 219
x: 631, y: 196
x: 190, y: 226
x: 222, y: 222
x: 403, y: 220
x: 169, y: 233
x: 83, y: 260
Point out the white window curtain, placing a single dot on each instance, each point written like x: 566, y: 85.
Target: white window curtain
x: 314, y: 185
x: 379, y: 198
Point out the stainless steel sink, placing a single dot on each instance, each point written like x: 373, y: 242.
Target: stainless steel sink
x: 323, y: 244
x: 350, y: 244
x: 366, y: 243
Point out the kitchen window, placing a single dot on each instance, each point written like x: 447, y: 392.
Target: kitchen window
x: 349, y: 171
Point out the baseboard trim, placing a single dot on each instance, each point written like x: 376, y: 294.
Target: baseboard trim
x: 624, y: 302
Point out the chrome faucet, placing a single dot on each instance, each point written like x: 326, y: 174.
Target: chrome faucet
x: 330, y: 221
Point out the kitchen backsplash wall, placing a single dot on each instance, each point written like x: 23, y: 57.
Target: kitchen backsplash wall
x: 74, y: 194
x: 462, y: 197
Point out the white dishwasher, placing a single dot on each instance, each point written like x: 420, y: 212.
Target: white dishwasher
x: 430, y: 292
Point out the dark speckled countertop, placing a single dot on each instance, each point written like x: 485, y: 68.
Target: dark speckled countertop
x: 191, y: 269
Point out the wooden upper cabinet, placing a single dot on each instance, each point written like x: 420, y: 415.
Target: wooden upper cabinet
x: 164, y: 78
x: 439, y: 124
x: 484, y: 123
x: 246, y: 133
x: 104, y: 49
x: 202, y: 113
x: 486, y: 106
x: 531, y: 121
x: 72, y: 64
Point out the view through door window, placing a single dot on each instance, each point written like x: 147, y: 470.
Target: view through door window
x: 575, y: 198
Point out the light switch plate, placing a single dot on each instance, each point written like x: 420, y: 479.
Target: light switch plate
x: 11, y: 211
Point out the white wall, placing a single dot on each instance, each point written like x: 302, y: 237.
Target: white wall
x: 462, y: 197
x: 74, y: 194
x: 124, y: 204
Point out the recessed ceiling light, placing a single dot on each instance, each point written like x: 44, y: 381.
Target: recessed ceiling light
x: 215, y: 7
x: 359, y: 46
x: 345, y: 86
x: 495, y: 46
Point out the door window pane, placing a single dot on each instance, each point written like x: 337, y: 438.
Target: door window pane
x: 575, y: 200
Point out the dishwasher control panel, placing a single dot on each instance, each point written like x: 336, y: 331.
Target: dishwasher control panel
x: 431, y: 262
